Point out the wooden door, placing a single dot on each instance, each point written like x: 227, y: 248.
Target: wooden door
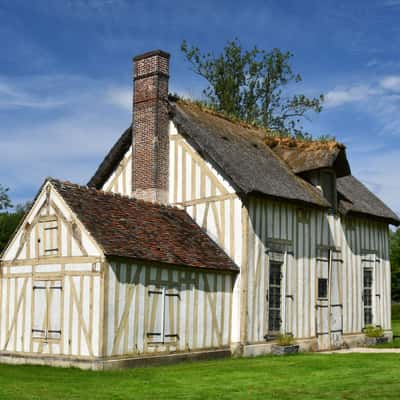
x: 329, y: 306
x: 336, y: 302
x: 322, y: 303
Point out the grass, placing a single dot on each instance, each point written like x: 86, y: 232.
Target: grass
x: 303, y: 376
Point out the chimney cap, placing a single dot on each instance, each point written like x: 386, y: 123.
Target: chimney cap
x: 151, y: 54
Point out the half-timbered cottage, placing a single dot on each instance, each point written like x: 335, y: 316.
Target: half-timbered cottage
x: 196, y: 236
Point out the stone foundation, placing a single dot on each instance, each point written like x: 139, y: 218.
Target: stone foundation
x: 100, y: 364
x: 236, y: 350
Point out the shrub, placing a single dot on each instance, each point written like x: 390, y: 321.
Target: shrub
x: 285, y: 340
x: 373, y: 331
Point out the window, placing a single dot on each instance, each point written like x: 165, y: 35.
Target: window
x: 48, y: 237
x: 274, y: 298
x: 47, y: 310
x: 322, y: 288
x: 163, y: 315
x: 367, y: 296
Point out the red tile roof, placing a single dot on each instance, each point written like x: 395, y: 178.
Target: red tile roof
x: 132, y: 228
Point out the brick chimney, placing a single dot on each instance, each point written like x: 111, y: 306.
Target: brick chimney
x: 150, y: 127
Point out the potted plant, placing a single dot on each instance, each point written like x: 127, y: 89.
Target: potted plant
x: 374, y: 335
x: 285, y: 344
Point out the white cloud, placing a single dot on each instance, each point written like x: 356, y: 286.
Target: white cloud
x: 381, y: 89
x: 380, y: 177
x: 66, y: 143
x: 391, y: 83
x: 11, y: 96
x: 391, y: 3
x: 380, y: 99
x: 120, y: 97
x: 340, y: 96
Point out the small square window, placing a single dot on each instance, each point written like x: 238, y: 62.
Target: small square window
x: 322, y: 288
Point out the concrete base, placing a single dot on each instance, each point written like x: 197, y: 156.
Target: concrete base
x: 372, y: 341
x: 235, y: 350
x: 284, y: 350
x: 254, y: 350
x: 100, y: 364
x: 353, y: 340
x: 389, y: 335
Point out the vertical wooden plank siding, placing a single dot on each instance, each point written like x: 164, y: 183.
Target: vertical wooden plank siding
x: 77, y: 311
x: 213, y: 204
x: 120, y: 180
x: 275, y: 221
x: 67, y: 263
x: 200, y: 312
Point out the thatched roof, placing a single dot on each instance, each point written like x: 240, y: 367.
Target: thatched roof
x: 308, y: 155
x: 255, y: 163
x: 240, y: 155
x: 142, y: 230
x: 357, y: 199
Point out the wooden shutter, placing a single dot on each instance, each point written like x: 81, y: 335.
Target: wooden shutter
x: 47, y: 309
x: 171, y: 312
x: 54, y: 307
x: 48, y: 237
x: 155, y: 330
x: 40, y: 309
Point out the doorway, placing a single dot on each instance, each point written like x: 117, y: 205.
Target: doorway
x: 329, y: 305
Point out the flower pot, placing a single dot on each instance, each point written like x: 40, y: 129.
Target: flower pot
x: 372, y: 341
x: 284, y: 350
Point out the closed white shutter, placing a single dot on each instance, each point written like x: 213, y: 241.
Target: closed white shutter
x: 54, y: 314
x: 40, y: 309
x: 48, y: 238
x: 155, y: 329
x: 47, y: 309
x: 171, y: 304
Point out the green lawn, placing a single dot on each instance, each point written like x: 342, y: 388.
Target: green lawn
x: 304, y: 376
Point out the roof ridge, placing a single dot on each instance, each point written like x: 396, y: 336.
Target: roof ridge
x: 111, y: 194
x: 269, y: 134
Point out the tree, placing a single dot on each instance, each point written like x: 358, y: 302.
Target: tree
x: 249, y: 85
x: 9, y: 222
x: 395, y: 264
x: 4, y: 199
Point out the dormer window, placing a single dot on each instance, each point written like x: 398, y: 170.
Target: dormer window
x: 325, y: 180
x: 328, y: 186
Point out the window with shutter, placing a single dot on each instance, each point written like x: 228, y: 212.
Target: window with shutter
x: 155, y: 331
x: 47, y: 310
x: 163, y: 314
x: 48, y: 237
x: 39, y: 312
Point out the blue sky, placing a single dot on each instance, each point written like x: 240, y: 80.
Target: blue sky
x: 66, y: 76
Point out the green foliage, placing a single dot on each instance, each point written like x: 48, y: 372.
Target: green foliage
x: 8, y: 224
x: 395, y: 264
x: 4, y: 199
x: 373, y: 331
x: 285, y: 339
x: 250, y: 85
